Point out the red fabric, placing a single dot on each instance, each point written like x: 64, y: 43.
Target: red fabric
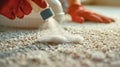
x: 79, y: 14
x: 18, y: 8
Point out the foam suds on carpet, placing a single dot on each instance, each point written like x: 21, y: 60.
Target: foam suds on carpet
x: 101, y: 47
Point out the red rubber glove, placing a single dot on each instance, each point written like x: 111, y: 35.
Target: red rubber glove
x: 14, y: 8
x: 79, y: 14
x: 40, y: 3
x: 18, y: 8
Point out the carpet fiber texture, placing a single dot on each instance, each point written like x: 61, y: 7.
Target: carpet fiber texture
x: 101, y: 47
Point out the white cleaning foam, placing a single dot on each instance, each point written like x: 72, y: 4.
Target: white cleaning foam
x: 55, y: 33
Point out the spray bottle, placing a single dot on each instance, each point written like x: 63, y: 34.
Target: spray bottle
x: 60, y: 15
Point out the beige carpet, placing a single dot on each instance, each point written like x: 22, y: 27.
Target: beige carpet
x: 101, y: 47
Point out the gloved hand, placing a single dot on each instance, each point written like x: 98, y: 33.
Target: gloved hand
x: 40, y: 3
x: 14, y: 8
x: 79, y: 14
x: 18, y: 8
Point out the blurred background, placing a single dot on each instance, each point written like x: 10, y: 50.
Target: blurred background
x: 102, y: 2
